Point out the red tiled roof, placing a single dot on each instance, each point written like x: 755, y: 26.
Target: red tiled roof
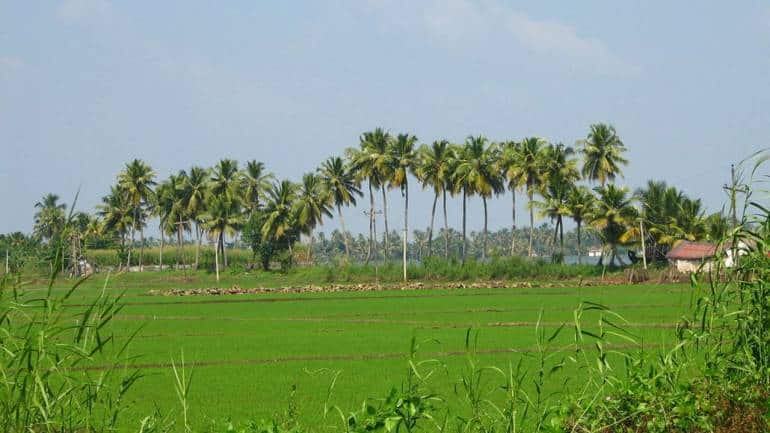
x: 692, y: 251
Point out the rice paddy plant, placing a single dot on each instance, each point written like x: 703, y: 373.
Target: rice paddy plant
x: 60, y: 371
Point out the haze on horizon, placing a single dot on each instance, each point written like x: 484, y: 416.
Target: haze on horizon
x: 87, y: 85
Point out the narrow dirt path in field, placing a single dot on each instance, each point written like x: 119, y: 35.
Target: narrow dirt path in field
x: 418, y: 323
x: 361, y: 357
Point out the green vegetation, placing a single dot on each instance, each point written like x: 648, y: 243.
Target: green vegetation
x: 247, y: 352
x: 230, y: 207
x: 91, y: 355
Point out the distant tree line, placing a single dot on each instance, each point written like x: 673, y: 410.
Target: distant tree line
x: 227, y: 202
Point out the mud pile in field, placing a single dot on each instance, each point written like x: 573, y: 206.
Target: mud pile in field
x: 333, y: 288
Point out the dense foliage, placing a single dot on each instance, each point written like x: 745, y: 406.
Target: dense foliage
x: 230, y: 206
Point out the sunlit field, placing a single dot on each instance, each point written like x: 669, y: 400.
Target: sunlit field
x: 255, y: 356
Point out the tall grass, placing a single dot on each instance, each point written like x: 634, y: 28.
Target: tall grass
x: 60, y: 369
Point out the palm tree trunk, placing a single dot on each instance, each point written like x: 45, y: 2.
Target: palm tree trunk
x: 430, y: 229
x: 561, y: 239
x: 310, y: 249
x: 531, y: 221
x: 371, y: 223
x: 579, y: 260
x: 513, y: 224
x: 133, y: 237
x: 162, y: 240
x: 484, y: 245
x: 141, y: 248
x: 406, y: 224
x: 344, y: 232
x: 446, y: 230
x: 216, y: 258
x: 386, y: 256
x: 464, y: 245
x: 553, y: 241
x: 179, y: 244
x: 224, y: 253
x: 199, y: 234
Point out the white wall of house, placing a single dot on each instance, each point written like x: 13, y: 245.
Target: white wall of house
x: 690, y: 266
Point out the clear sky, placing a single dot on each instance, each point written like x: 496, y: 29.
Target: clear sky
x: 86, y: 85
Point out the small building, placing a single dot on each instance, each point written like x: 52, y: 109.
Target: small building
x: 595, y: 252
x: 690, y: 256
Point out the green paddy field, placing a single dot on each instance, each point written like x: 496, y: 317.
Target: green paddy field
x: 253, y: 356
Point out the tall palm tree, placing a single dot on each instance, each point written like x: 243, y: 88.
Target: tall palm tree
x: 116, y: 213
x: 279, y: 216
x: 164, y: 202
x: 137, y: 180
x: 614, y: 216
x: 223, y: 216
x: 179, y: 217
x: 312, y: 203
x: 433, y: 164
x: 580, y: 203
x: 403, y: 160
x: 602, y: 154
x: 369, y: 162
x: 341, y: 183
x: 375, y: 146
x: 224, y: 185
x: 50, y: 218
x: 558, y: 161
x: 555, y: 206
x: 476, y: 172
x: 224, y: 179
x: 255, y: 181
x: 195, y: 190
x: 515, y: 179
x: 530, y: 167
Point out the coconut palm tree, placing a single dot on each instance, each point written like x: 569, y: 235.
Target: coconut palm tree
x: 164, y: 201
x: 555, y: 206
x: 530, y: 168
x: 279, y: 222
x: 580, y: 203
x: 433, y: 164
x: 613, y: 216
x: 225, y: 179
x: 136, y: 181
x: 558, y: 161
x: 179, y: 215
x: 375, y: 146
x: 116, y: 213
x: 476, y: 172
x: 403, y: 156
x: 717, y: 227
x: 509, y: 167
x: 224, y: 184
x: 670, y: 216
x: 195, y: 191
x: 254, y: 183
x: 370, y: 162
x: 602, y: 154
x: 50, y: 218
x: 223, y: 216
x: 312, y: 203
x: 340, y: 182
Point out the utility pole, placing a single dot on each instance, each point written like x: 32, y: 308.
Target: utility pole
x: 7, y: 262
x: 733, y: 189
x: 644, y: 249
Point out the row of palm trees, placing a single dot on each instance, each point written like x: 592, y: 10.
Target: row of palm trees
x: 220, y: 201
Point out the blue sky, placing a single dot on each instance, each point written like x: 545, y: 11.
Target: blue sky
x: 86, y: 85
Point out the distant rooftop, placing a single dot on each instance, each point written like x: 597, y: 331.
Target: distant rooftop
x: 692, y: 251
